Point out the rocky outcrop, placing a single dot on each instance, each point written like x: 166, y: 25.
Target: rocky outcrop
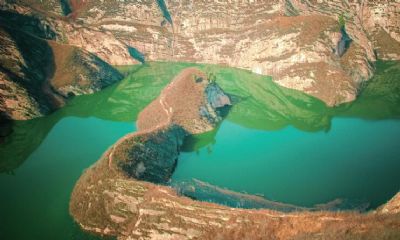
x: 25, y: 65
x: 187, y: 105
x: 392, y: 207
x: 118, y: 206
x: 38, y: 75
x: 78, y: 72
x: 369, y: 20
x: 150, y: 156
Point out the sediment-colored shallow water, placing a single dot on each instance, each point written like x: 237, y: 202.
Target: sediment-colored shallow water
x: 276, y: 142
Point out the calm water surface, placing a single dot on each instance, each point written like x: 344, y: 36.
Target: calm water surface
x: 275, y: 142
x: 357, y: 161
x: 34, y: 197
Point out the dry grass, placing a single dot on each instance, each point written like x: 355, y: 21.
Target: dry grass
x: 178, y: 103
x: 63, y: 60
x: 386, y: 45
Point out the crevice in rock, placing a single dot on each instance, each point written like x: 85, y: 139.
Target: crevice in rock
x: 66, y: 7
x: 344, y: 42
x: 290, y: 10
x: 136, y: 54
x: 164, y: 10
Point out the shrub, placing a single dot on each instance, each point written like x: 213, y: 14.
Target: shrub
x: 341, y: 20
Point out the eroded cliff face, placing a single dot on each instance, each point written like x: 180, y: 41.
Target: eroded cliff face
x: 188, y: 105
x: 38, y: 76
x: 373, y: 23
x: 293, y: 41
x: 38, y: 73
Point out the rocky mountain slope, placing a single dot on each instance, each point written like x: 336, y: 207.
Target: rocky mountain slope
x: 38, y: 73
x: 296, y: 42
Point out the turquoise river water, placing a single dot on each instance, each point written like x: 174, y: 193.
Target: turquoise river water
x: 277, y: 143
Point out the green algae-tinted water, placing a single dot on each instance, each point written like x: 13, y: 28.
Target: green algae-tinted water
x: 276, y: 142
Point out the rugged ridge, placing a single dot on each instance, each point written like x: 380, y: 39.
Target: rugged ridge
x: 38, y: 74
x: 188, y: 105
x: 293, y: 41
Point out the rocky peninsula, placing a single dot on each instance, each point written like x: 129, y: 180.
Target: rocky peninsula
x: 121, y: 195
x: 53, y: 50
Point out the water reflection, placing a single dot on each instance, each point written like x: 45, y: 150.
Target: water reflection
x: 260, y: 104
x: 195, y: 142
x: 121, y: 102
x: 200, y: 190
x: 39, y: 192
